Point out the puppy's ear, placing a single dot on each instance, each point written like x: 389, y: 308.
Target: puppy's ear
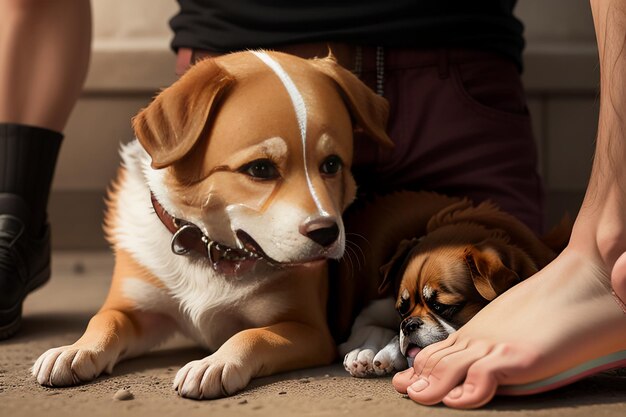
x: 392, y: 270
x: 369, y: 110
x: 490, y: 275
x: 172, y: 124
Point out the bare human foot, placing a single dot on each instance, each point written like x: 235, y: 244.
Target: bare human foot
x: 562, y: 317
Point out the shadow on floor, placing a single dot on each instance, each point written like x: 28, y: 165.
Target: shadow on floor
x: 167, y: 358
x: 36, y: 327
x: 605, y: 388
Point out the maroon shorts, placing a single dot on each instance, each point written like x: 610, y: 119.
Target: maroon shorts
x: 460, y: 125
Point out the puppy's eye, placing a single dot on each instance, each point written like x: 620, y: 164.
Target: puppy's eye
x: 443, y: 310
x: 438, y: 307
x: 404, y: 307
x: 331, y: 165
x: 260, y: 169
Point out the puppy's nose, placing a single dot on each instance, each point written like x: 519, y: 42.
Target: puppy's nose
x: 410, y: 325
x: 324, y: 230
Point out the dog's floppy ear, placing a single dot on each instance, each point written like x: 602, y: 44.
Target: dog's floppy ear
x: 369, y: 110
x: 392, y: 270
x: 490, y: 275
x: 172, y: 124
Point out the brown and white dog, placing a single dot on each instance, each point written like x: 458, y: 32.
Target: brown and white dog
x: 222, y: 217
x: 463, y: 258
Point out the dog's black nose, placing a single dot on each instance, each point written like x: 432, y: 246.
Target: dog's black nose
x: 410, y: 325
x: 325, y: 236
x: 322, y: 230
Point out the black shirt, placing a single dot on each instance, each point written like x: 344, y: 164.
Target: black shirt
x: 230, y: 25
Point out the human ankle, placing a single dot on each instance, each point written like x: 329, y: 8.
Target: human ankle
x: 600, y: 227
x: 611, y: 245
x: 611, y: 230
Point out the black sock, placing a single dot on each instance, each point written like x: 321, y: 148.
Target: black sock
x: 28, y: 156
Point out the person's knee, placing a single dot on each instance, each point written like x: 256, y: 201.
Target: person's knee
x: 25, y: 8
x: 22, y: 11
x: 22, y: 6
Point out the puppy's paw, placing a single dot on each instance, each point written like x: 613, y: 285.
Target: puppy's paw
x: 211, y: 377
x: 70, y: 365
x: 367, y: 362
x: 389, y: 359
x: 360, y: 362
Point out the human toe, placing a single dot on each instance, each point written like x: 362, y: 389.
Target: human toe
x: 504, y: 364
x: 471, y: 394
x: 431, y: 387
x: 402, y: 380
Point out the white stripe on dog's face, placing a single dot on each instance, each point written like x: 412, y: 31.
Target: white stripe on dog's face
x: 301, y: 115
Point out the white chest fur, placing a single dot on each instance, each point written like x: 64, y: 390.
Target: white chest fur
x: 207, y: 307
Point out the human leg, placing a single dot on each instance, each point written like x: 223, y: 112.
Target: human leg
x: 44, y: 53
x: 565, y: 315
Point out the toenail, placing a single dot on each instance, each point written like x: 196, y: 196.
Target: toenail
x: 455, y: 393
x: 419, y: 385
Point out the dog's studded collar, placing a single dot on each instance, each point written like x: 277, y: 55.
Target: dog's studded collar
x: 186, y: 236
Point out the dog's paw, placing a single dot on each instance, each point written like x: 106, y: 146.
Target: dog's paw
x: 366, y: 362
x: 211, y: 378
x: 360, y: 362
x: 389, y: 359
x: 69, y: 365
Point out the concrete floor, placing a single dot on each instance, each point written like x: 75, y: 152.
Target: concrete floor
x: 57, y: 314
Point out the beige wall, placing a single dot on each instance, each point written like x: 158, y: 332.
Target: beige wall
x: 556, y: 20
x: 140, y: 22
x: 131, y: 61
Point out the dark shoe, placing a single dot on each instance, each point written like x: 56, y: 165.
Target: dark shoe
x: 24, y: 261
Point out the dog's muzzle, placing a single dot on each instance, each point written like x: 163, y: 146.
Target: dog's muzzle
x: 187, y: 238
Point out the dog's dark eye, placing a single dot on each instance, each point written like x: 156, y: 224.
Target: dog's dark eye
x: 438, y: 307
x: 331, y: 165
x: 261, y: 169
x: 443, y: 310
x: 404, y: 307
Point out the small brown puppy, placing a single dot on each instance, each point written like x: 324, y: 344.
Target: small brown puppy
x: 463, y: 258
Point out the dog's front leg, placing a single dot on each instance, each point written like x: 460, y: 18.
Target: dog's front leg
x: 112, y: 335
x: 118, y: 331
x: 252, y: 353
